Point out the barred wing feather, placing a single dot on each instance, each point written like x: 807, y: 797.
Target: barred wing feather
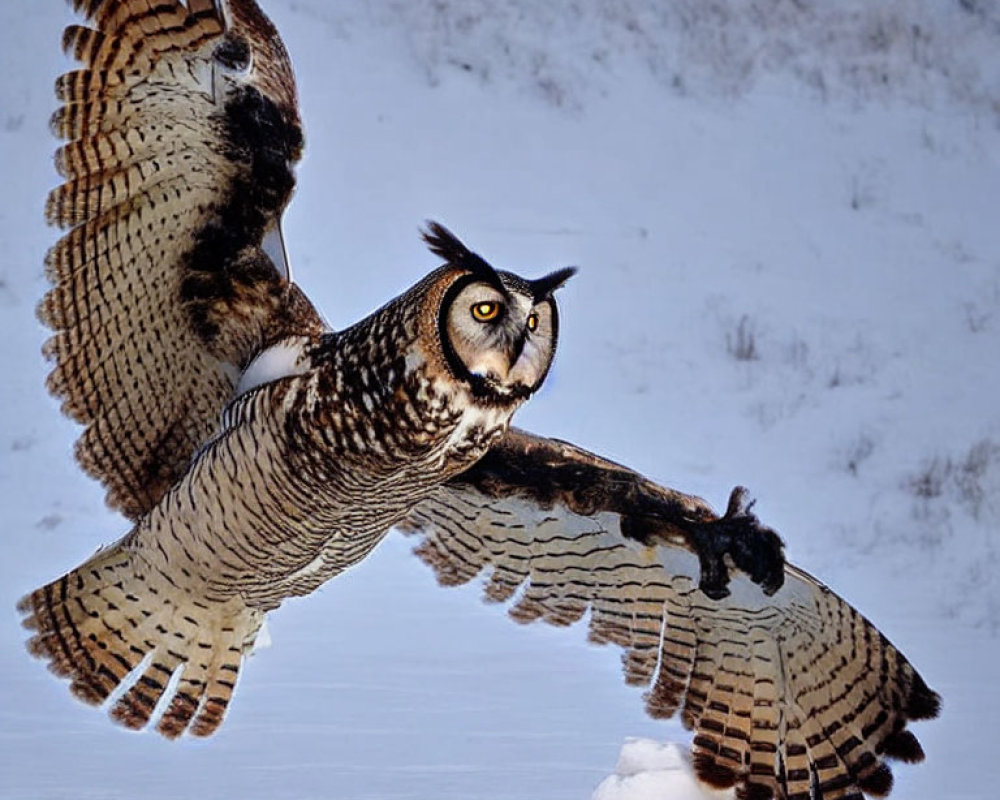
x: 182, y: 127
x: 794, y: 695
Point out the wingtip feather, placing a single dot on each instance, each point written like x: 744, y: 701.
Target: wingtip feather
x: 902, y: 746
x: 923, y: 702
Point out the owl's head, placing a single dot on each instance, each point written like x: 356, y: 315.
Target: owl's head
x: 498, y: 331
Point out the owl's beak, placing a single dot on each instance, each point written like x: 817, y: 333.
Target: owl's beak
x: 493, y: 367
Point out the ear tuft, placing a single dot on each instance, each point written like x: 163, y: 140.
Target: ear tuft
x: 543, y: 288
x: 444, y: 243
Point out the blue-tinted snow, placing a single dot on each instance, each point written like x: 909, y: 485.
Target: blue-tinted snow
x: 821, y: 184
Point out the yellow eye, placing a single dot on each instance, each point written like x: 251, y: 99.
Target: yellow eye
x: 485, y: 311
x: 532, y: 321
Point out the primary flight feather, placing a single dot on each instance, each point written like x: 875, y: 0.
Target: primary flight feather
x: 258, y: 453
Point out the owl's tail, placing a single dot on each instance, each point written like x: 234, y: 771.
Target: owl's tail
x: 115, y: 627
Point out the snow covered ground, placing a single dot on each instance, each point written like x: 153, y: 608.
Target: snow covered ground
x: 786, y: 219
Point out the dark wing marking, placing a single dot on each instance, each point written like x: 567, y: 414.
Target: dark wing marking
x: 182, y: 127
x: 793, y: 695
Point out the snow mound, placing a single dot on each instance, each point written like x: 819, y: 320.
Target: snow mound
x: 649, y: 770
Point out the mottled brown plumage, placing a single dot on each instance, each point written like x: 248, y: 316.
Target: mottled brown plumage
x: 178, y: 162
x: 792, y: 696
x: 258, y: 453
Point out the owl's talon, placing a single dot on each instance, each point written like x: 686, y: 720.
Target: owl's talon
x: 752, y: 547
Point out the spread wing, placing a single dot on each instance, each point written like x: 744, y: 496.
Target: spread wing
x: 182, y: 127
x: 793, y: 695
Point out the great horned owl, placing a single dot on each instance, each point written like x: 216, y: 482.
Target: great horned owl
x: 259, y: 453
